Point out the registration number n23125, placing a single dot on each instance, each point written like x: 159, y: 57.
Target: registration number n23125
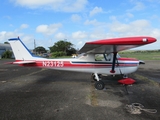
x: 53, y: 63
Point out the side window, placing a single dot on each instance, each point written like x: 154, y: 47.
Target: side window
x: 104, y: 57
x: 99, y: 57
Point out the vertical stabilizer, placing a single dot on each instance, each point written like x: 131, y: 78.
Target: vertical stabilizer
x: 21, y: 52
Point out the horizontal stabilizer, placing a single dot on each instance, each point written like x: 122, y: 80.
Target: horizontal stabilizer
x: 24, y: 62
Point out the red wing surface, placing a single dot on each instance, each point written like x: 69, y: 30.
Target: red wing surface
x: 115, y: 45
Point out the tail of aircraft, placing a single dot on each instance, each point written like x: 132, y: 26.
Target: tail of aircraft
x: 21, y: 52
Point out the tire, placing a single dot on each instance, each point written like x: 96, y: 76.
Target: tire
x: 99, y: 85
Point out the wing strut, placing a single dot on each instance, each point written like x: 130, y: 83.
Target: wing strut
x: 114, y: 61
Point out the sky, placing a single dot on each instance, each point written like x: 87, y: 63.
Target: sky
x: 78, y: 21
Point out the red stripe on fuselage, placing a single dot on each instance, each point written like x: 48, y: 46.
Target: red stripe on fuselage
x: 128, y: 59
x: 69, y: 64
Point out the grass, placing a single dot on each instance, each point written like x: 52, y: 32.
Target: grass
x: 60, y: 57
x: 152, y: 82
x: 142, y: 55
x: 92, y: 96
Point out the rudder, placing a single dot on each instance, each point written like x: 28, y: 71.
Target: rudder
x: 21, y: 52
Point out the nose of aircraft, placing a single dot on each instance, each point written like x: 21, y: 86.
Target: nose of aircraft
x: 141, y: 62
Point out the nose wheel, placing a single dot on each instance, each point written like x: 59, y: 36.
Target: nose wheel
x: 99, y: 85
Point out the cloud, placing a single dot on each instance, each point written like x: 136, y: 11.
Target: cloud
x: 7, y: 17
x: 154, y: 1
x: 100, y: 35
x: 155, y: 32
x: 60, y: 36
x: 141, y: 27
x: 48, y: 29
x: 5, y: 35
x: 92, y: 22
x: 96, y: 25
x: 74, y: 5
x: 95, y: 11
x: 24, y: 26
x: 27, y: 39
x: 56, y: 5
x: 113, y: 18
x: 75, y: 17
x: 79, y: 35
x: 80, y: 43
x: 138, y: 26
x: 130, y: 15
x: 138, y: 6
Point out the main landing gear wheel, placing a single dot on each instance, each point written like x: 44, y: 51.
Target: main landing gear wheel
x: 99, y: 85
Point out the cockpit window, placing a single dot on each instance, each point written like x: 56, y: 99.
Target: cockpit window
x: 105, y: 57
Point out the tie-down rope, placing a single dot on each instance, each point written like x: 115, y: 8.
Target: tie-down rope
x: 136, y: 108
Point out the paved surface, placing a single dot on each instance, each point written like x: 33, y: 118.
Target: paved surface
x: 40, y: 94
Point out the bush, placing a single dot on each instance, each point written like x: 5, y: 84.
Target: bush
x: 7, y: 54
x: 58, y: 54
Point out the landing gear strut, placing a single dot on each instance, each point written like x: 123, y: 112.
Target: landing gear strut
x: 93, y: 77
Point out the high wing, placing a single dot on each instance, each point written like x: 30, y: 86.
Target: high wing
x: 115, y: 45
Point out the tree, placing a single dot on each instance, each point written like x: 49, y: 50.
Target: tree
x: 63, y: 48
x: 71, y: 51
x: 6, y: 42
x: 40, y: 50
x: 7, y: 54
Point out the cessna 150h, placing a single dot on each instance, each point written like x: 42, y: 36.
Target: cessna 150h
x: 111, y: 64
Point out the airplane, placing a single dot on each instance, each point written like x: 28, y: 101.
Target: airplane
x: 96, y: 57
